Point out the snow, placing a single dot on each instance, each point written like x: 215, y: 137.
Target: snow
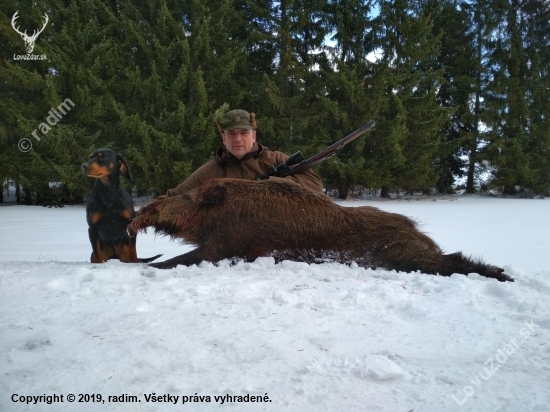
x: 325, y: 337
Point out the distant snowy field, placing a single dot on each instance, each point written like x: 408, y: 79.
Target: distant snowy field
x: 310, y: 337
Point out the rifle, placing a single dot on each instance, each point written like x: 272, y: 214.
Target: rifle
x: 296, y: 163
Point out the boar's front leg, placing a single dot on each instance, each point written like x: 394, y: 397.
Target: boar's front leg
x: 194, y: 257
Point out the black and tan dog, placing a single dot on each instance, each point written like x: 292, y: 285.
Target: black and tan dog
x: 110, y: 209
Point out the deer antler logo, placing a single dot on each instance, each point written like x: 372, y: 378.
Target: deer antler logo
x: 29, y: 40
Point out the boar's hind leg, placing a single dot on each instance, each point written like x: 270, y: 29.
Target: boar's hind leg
x: 458, y: 263
x: 191, y: 258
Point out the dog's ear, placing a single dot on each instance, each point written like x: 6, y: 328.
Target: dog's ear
x: 123, y: 168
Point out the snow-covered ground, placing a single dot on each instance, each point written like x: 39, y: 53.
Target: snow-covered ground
x: 298, y: 337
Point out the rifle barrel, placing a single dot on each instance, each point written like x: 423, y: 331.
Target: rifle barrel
x: 329, y: 151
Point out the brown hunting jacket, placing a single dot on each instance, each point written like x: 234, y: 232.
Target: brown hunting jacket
x: 255, y: 163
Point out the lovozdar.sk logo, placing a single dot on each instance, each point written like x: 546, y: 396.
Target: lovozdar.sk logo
x: 29, y: 40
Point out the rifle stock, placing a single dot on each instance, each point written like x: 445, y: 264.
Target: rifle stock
x: 278, y: 170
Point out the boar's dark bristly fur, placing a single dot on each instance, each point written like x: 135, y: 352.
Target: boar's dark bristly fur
x: 240, y: 219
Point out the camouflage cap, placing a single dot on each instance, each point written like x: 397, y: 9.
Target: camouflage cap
x: 234, y: 119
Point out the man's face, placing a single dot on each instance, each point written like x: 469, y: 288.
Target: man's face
x: 239, y: 141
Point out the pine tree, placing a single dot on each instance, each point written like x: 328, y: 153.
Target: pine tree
x: 519, y: 68
x: 20, y: 84
x: 149, y: 94
x: 509, y: 111
x: 215, y: 57
x: 482, y: 22
x: 408, y: 135
x: 42, y: 175
x: 353, y: 89
x: 283, y: 82
x: 517, y: 97
x: 457, y: 58
x: 537, y: 79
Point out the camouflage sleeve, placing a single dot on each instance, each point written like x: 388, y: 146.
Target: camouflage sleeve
x: 307, y: 179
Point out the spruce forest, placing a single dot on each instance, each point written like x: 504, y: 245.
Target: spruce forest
x: 459, y: 90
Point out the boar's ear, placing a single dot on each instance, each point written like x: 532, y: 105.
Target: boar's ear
x: 213, y: 195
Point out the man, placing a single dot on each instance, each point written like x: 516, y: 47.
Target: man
x: 242, y: 157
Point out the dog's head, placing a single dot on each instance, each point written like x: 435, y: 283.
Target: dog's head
x: 104, y: 163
